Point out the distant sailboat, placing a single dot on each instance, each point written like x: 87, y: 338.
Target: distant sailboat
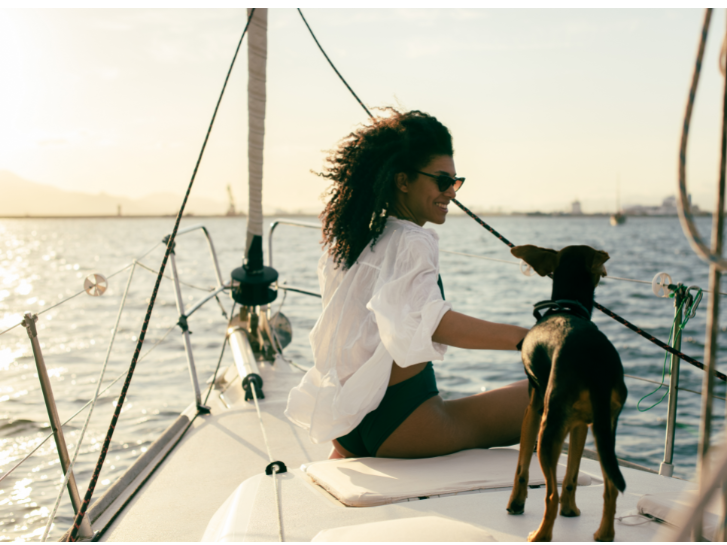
x: 619, y: 218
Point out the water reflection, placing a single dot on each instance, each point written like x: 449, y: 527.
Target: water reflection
x: 52, y: 262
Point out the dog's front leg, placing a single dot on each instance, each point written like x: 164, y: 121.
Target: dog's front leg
x: 578, y: 434
x: 528, y: 434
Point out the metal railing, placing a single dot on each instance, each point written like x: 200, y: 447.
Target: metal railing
x: 180, y: 307
x: 56, y: 425
x: 274, y: 226
x: 681, y: 292
x: 295, y: 223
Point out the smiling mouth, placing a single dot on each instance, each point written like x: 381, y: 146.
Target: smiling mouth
x: 441, y: 206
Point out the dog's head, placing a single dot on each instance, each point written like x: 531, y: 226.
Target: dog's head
x: 545, y: 261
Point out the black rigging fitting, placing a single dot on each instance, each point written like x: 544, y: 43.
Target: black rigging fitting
x: 251, y: 282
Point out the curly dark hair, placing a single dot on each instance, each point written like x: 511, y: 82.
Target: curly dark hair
x: 363, y: 170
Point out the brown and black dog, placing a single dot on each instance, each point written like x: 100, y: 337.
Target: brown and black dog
x: 576, y: 379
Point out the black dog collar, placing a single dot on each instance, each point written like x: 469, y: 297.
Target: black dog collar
x: 561, y: 306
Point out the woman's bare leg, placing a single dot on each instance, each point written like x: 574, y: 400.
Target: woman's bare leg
x: 437, y: 427
x: 339, y: 452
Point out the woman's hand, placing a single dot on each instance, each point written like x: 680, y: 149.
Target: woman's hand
x: 462, y: 331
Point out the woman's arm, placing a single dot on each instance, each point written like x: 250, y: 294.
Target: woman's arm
x: 462, y: 331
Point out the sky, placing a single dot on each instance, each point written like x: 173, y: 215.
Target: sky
x: 545, y: 106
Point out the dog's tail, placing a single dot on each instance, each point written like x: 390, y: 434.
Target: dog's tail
x: 606, y: 435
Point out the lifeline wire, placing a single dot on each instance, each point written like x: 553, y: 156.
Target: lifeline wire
x: 79, y: 411
x: 678, y: 388
x: 147, y: 318
x: 277, y: 345
x: 222, y: 353
x: 600, y: 307
x: 69, y: 470
x: 609, y: 277
x: 122, y: 269
x: 146, y: 267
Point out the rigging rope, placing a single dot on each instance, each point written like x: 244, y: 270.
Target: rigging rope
x: 272, y: 465
x: 516, y: 263
x: 79, y: 411
x: 685, y: 214
x: 147, y: 318
x: 479, y: 220
x: 69, y: 470
x: 600, y: 307
x: 332, y: 65
x: 676, y: 330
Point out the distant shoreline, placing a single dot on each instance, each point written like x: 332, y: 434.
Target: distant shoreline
x: 303, y: 214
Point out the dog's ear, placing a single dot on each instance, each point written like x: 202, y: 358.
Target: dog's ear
x: 599, y: 258
x: 543, y: 260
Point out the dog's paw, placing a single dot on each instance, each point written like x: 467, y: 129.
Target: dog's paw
x: 516, y: 508
x: 604, y: 536
x: 538, y: 536
x: 570, y: 511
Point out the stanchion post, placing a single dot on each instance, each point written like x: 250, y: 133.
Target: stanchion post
x: 55, y: 420
x: 185, y: 336
x: 667, y: 466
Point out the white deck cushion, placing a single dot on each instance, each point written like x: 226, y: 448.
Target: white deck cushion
x: 365, y: 482
x: 670, y: 509
x: 431, y: 528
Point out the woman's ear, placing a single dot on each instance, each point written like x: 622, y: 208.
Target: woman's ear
x: 402, y: 182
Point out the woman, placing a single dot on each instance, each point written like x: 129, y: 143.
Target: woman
x: 372, y: 391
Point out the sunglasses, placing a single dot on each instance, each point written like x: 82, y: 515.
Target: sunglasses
x: 444, y: 181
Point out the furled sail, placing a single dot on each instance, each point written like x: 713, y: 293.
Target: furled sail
x: 257, y: 53
x: 251, y: 283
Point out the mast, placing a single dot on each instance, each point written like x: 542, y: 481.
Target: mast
x: 257, y: 54
x: 251, y: 282
x: 618, y: 193
x: 249, y: 333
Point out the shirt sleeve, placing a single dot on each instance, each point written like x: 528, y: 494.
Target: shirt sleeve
x: 407, y: 302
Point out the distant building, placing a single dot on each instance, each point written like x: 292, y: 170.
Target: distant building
x: 668, y: 208
x: 575, y: 208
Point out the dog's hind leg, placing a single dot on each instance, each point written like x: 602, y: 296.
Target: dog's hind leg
x: 528, y: 434
x: 606, y: 531
x: 578, y: 434
x: 550, y: 443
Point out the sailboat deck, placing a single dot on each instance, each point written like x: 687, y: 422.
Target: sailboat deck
x: 218, y: 452
x: 226, y: 448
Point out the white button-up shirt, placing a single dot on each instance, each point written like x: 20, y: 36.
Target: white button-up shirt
x: 385, y: 308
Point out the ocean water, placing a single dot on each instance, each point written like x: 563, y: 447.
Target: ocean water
x: 43, y: 262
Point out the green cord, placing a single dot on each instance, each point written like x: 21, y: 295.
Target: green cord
x: 680, y: 327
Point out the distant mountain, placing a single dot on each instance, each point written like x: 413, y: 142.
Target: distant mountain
x: 21, y: 198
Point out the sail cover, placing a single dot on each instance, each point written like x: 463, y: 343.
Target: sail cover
x: 257, y: 53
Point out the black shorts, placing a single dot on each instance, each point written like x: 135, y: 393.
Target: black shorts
x: 400, y: 400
